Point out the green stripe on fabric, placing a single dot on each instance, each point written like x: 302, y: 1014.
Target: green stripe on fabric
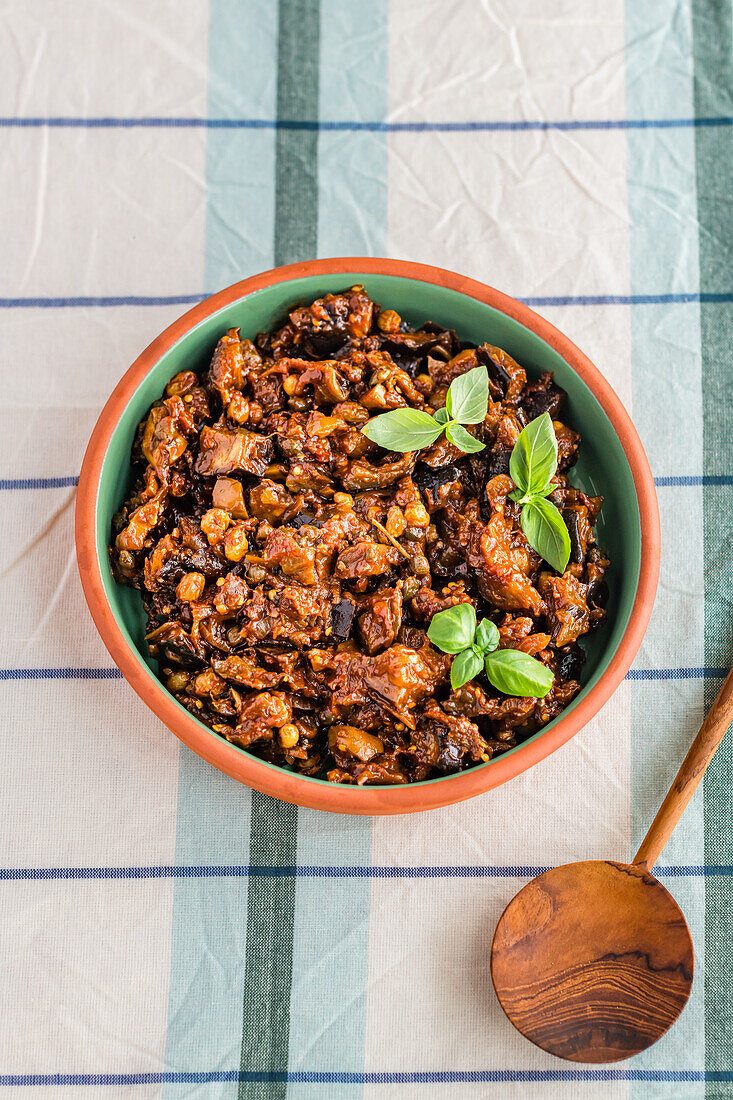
x: 352, y: 165
x: 240, y: 164
x: 328, y: 1002
x: 274, y: 825
x: 665, y: 357
x: 269, y: 953
x: 213, y: 813
x: 713, y: 60
x: 296, y: 151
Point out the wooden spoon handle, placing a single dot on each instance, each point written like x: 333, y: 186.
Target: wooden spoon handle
x: 712, y: 732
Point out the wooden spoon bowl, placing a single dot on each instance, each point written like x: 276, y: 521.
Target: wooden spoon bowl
x: 593, y: 961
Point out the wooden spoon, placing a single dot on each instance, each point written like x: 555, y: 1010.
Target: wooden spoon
x: 593, y: 961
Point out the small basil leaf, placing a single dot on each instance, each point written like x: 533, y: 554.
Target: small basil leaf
x: 453, y: 629
x: 464, y: 667
x: 441, y: 416
x: 487, y: 635
x: 402, y: 430
x: 545, y: 531
x: 516, y: 673
x: 459, y: 437
x: 534, y: 457
x: 468, y: 396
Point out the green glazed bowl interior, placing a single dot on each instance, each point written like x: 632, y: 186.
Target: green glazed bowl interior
x: 602, y: 469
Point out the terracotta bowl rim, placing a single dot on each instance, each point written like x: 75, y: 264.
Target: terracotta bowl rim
x: 288, y: 786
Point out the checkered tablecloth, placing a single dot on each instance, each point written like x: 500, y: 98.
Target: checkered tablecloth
x: 164, y: 932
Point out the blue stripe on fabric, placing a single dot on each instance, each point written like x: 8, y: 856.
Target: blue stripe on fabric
x: 115, y: 674
x: 677, y: 673
x: 627, y: 299
x: 351, y: 126
x: 694, y: 479
x: 13, y: 483
x: 60, y: 674
x: 673, y: 480
x: 306, y: 871
x: 344, y: 1077
x: 80, y: 302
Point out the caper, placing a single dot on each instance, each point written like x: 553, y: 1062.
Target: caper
x: 410, y: 587
x: 420, y: 565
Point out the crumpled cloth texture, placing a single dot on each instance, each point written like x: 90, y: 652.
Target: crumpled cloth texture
x: 164, y: 932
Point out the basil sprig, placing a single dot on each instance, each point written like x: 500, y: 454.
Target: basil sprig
x: 466, y: 402
x: 532, y: 466
x: 475, y: 647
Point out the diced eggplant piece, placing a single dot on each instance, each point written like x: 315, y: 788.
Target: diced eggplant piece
x: 570, y: 663
x: 432, y: 477
x: 498, y: 462
x: 342, y: 618
x: 304, y: 520
x: 499, y: 377
x: 598, y: 593
x: 543, y: 397
x: 571, y: 518
x: 222, y: 452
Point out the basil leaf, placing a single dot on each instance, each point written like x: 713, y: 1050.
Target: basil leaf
x: 453, y: 629
x: 441, y: 416
x: 516, y: 673
x: 468, y: 396
x: 402, y: 430
x: 487, y: 636
x: 545, y: 531
x: 463, y: 439
x: 534, y: 457
x: 464, y: 667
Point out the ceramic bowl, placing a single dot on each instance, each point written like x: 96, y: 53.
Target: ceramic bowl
x: 612, y: 463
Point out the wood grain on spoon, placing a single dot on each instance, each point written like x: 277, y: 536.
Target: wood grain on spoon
x: 593, y: 961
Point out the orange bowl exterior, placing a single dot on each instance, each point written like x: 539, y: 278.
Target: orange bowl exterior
x: 288, y: 786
